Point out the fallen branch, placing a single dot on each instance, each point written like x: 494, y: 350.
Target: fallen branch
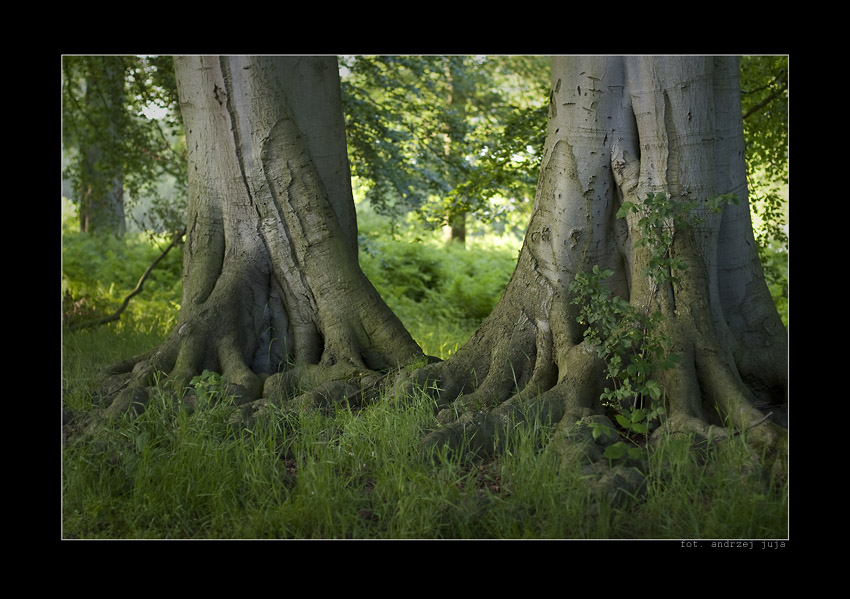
x: 99, y: 321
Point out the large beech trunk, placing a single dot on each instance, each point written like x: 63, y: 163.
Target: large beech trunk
x: 620, y: 128
x: 271, y: 280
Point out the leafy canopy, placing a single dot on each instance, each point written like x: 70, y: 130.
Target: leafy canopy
x: 445, y: 134
x: 126, y: 107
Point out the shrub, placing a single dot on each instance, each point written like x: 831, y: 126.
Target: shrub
x: 99, y: 272
x: 441, y: 293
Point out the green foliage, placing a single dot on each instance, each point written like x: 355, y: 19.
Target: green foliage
x: 445, y: 134
x: 658, y: 217
x: 121, y: 122
x: 634, y: 349
x: 768, y: 207
x: 764, y: 99
x: 99, y: 272
x: 441, y: 294
x: 631, y: 340
x: 210, y: 387
x: 774, y: 261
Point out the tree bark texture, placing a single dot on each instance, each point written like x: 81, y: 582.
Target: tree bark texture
x: 271, y: 280
x: 620, y: 128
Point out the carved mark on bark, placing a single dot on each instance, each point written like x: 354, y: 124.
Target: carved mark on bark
x: 541, y: 235
x: 619, y: 166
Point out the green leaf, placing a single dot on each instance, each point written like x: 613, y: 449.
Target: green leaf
x: 635, y: 453
x: 654, y: 389
x: 640, y: 428
x: 625, y: 208
x: 623, y: 421
x: 600, y: 429
x: 142, y: 440
x: 615, y: 451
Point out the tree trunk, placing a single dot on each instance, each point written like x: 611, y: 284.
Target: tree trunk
x: 102, y: 188
x: 271, y: 286
x: 454, y: 231
x: 619, y: 129
x: 102, y: 201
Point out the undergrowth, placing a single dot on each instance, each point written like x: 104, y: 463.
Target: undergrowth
x: 440, y: 293
x: 180, y: 472
x: 186, y: 470
x: 99, y: 272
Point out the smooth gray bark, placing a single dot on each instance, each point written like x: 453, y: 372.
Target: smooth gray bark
x: 619, y: 128
x: 271, y: 279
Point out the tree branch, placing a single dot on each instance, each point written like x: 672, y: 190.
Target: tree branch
x: 767, y: 100
x: 106, y: 319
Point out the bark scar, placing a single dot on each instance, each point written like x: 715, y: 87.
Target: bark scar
x: 626, y: 170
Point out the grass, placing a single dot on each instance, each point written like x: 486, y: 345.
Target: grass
x: 357, y: 474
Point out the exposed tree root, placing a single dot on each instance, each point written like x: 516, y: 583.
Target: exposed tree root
x: 224, y: 334
x: 533, y: 378
x: 174, y: 365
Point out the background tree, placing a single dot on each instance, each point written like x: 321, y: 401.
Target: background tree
x: 272, y: 290
x: 117, y: 147
x: 95, y: 123
x: 444, y: 135
x: 637, y: 150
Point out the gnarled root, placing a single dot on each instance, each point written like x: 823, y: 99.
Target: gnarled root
x: 346, y: 371
x: 708, y: 403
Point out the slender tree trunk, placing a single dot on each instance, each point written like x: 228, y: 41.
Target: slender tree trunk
x: 272, y: 288
x: 454, y: 231
x: 102, y: 187
x: 619, y: 129
x: 102, y: 200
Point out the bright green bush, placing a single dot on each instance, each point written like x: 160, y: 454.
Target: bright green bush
x: 441, y: 293
x: 774, y: 261
x: 98, y: 272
